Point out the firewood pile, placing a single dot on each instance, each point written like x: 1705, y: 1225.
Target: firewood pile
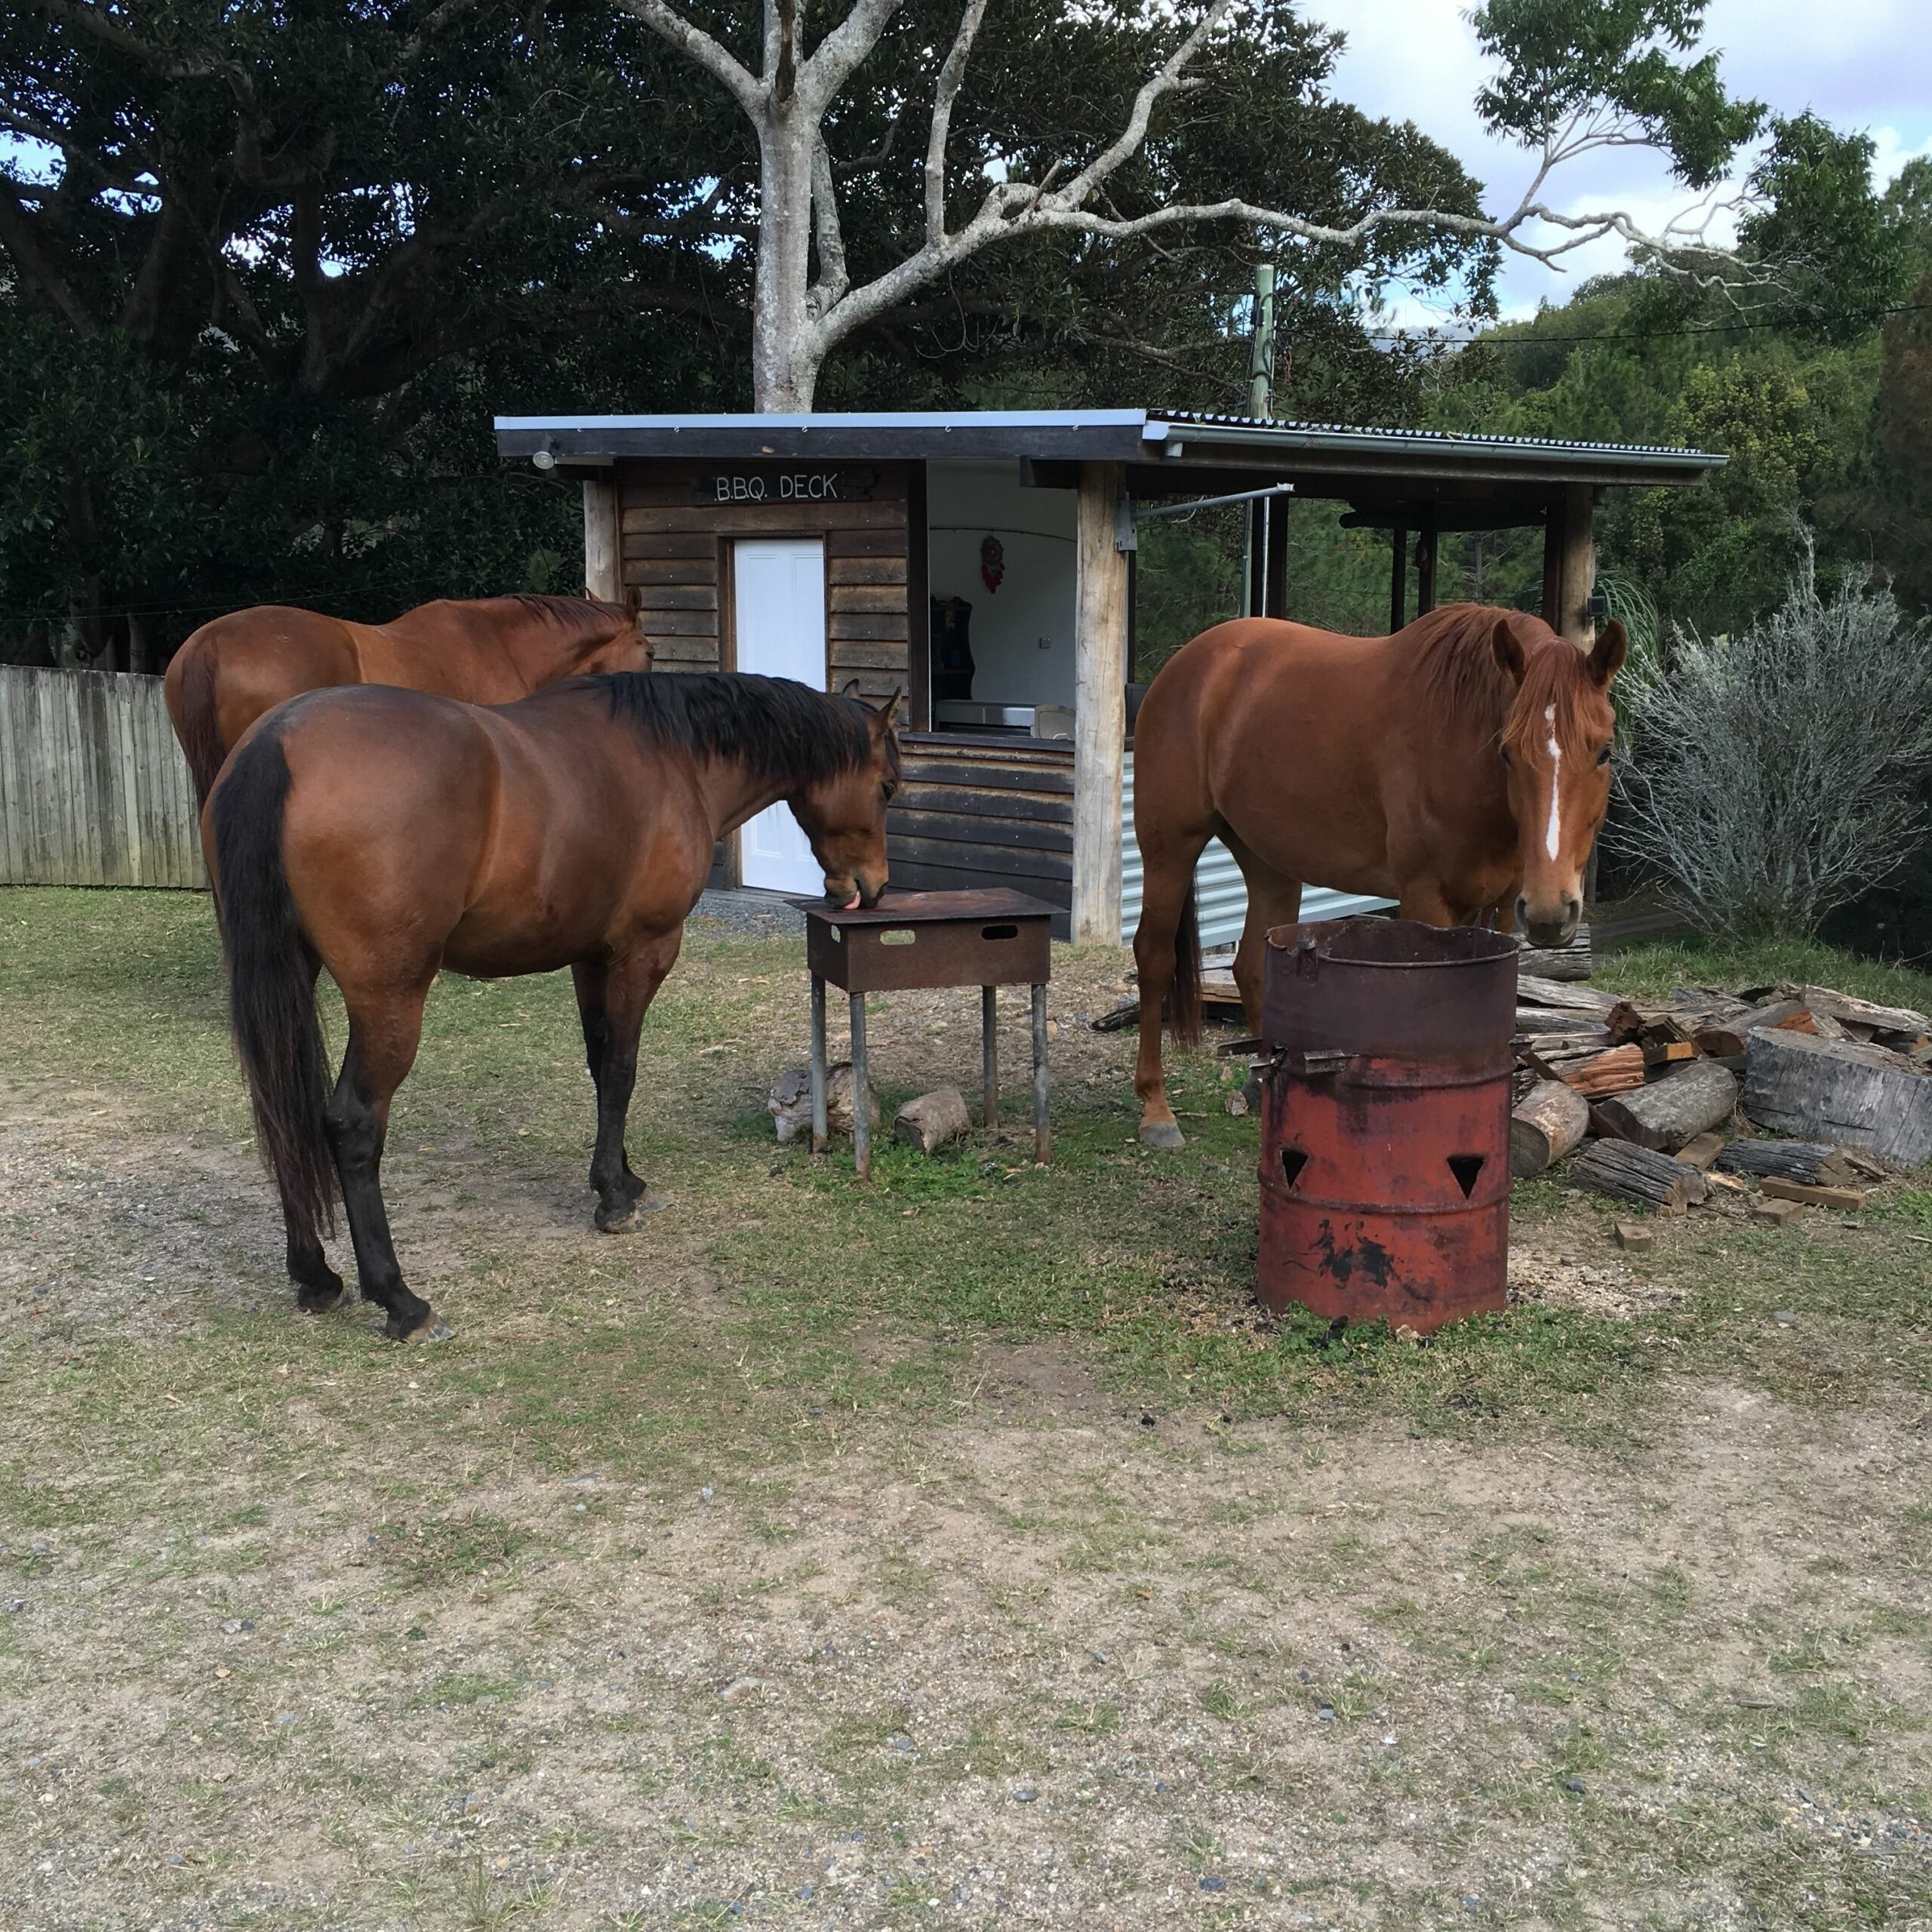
x: 1649, y: 1095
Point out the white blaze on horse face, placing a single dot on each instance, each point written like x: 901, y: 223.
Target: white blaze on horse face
x: 1553, y: 837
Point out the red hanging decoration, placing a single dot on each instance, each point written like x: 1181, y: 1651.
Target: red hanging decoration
x: 992, y: 563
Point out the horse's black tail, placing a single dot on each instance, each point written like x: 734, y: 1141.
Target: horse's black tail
x: 272, y: 986
x: 201, y: 727
x: 1184, y: 994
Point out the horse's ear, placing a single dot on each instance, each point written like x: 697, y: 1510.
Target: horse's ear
x: 634, y: 598
x: 1509, y: 652
x: 1606, y: 658
x: 887, y: 714
x: 850, y: 688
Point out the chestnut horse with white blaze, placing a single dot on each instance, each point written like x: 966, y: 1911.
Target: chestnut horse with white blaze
x: 1460, y: 767
x: 483, y: 650
x: 386, y: 834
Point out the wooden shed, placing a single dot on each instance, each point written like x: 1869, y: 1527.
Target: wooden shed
x: 982, y: 562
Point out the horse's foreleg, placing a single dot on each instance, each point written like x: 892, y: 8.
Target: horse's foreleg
x: 383, y: 1033
x: 630, y: 983
x: 1166, y: 880
x: 1424, y: 899
x: 590, y: 978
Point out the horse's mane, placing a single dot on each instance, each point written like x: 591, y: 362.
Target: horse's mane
x: 572, y: 614
x: 770, y: 725
x: 1456, y: 654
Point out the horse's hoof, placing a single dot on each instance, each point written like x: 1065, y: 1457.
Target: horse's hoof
x: 324, y: 1300
x: 621, y: 1217
x: 432, y: 1328
x: 1164, y: 1135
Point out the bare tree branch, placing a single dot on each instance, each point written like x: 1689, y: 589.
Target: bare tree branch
x: 833, y: 279
x: 18, y: 238
x: 837, y: 57
x: 952, y: 77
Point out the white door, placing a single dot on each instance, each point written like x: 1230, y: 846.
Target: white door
x: 778, y: 586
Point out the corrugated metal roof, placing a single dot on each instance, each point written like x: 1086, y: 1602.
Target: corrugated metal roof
x: 1176, y: 437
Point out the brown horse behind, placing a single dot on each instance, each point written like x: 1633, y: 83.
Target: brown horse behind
x: 388, y: 834
x: 484, y: 650
x: 1460, y: 767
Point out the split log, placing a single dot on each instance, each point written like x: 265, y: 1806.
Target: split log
x: 1653, y: 1025
x: 1700, y: 1152
x: 1670, y: 1112
x: 1808, y: 1161
x: 1626, y: 1172
x: 1616, y: 1071
x: 1573, y: 961
x: 1899, y: 1020
x: 1548, y: 1121
x: 1531, y: 991
x: 1533, y: 1020
x: 929, y: 1122
x: 1731, y: 1035
x: 1862, y: 1096
x: 1850, y: 1200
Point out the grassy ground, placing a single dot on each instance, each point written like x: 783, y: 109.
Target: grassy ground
x: 965, y: 1551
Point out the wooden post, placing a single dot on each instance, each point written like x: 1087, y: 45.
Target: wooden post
x: 1426, y: 570
x: 1399, y: 579
x: 1569, y: 563
x: 603, y: 545
x: 1580, y: 565
x: 989, y: 1056
x: 1099, y: 707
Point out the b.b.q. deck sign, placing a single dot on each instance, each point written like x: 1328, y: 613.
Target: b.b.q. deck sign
x: 789, y: 486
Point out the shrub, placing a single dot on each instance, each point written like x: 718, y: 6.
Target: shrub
x: 1774, y: 776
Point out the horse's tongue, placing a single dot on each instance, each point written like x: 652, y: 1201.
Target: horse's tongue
x: 852, y: 904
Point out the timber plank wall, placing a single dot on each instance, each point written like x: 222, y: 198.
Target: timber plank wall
x: 676, y: 534
x: 93, y: 789
x: 975, y: 812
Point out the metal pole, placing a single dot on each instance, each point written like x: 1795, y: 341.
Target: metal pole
x: 819, y: 1135
x: 1043, y: 1139
x: 989, y: 1055
x: 862, y: 1125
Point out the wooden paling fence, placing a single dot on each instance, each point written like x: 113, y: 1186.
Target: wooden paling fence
x: 93, y: 789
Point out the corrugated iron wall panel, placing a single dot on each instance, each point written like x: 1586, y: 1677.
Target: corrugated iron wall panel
x: 1220, y: 894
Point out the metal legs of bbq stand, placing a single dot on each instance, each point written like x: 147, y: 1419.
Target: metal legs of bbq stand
x: 819, y: 1132
x: 862, y: 1126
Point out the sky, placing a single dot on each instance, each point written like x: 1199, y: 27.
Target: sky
x: 1857, y: 63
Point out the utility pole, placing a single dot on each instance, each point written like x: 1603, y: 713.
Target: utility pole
x: 1260, y: 405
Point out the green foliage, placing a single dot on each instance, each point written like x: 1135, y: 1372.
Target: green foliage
x: 1567, y: 61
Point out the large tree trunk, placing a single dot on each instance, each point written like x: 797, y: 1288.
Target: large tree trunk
x: 784, y: 354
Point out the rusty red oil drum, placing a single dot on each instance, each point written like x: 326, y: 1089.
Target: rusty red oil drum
x: 1385, y: 1143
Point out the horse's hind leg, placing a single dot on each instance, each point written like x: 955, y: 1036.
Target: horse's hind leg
x: 1272, y: 901
x: 1166, y: 879
x: 590, y: 978
x: 630, y: 983
x: 383, y: 1033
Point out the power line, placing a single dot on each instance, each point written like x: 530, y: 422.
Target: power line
x: 1488, y: 341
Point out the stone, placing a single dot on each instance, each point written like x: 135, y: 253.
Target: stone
x: 929, y: 1122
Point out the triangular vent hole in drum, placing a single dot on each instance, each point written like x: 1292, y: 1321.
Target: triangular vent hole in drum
x: 1293, y: 1160
x: 1466, y: 1167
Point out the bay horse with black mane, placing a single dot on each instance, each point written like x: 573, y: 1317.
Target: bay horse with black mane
x: 484, y: 650
x: 387, y: 834
x: 1460, y: 767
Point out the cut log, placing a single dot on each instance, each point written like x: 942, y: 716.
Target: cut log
x: 1732, y: 1035
x: 1535, y: 1019
x: 1851, y: 1012
x: 1838, y: 1089
x: 1807, y: 1161
x: 1851, y: 1200
x: 929, y: 1122
x: 1573, y: 962
x: 1653, y: 1025
x: 1531, y: 991
x: 1701, y: 1152
x: 1616, y: 1071
x: 1626, y: 1172
x: 1551, y: 1119
x: 1668, y: 1112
